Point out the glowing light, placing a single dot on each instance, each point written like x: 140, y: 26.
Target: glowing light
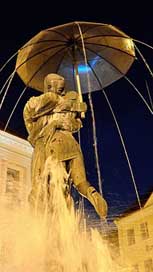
x: 83, y: 68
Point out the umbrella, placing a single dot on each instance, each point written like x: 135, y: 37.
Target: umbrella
x: 76, y: 50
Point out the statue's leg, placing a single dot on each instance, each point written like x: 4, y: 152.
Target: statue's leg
x: 79, y: 179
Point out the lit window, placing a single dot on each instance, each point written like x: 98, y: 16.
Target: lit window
x: 148, y: 265
x: 144, y: 230
x: 130, y: 237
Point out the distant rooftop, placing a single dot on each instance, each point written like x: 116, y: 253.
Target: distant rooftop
x: 135, y: 206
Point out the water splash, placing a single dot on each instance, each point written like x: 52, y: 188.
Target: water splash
x: 56, y: 242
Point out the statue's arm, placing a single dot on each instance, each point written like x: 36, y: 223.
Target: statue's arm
x: 37, y: 107
x: 44, y: 104
x: 71, y: 102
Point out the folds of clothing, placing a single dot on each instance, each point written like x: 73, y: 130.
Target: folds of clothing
x: 62, y: 147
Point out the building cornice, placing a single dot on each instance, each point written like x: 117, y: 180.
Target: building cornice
x: 135, y: 216
x: 17, y: 144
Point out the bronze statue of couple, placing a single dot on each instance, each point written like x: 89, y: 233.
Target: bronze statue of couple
x: 51, y: 120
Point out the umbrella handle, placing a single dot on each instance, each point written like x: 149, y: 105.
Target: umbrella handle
x: 79, y: 88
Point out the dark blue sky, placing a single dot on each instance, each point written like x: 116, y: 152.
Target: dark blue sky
x: 133, y: 117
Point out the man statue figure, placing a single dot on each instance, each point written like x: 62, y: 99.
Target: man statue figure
x: 51, y: 119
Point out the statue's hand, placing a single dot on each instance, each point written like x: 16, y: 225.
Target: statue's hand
x: 71, y: 102
x: 63, y: 105
x: 79, y: 107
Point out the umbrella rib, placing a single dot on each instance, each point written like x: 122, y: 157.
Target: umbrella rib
x: 44, y: 50
x: 57, y: 70
x: 57, y: 32
x: 117, y: 49
x: 26, y: 88
x: 101, y: 25
x: 40, y: 41
x: 114, y: 36
x: 65, y: 36
x: 60, y: 63
x: 105, y: 60
x: 89, y: 28
x: 95, y: 74
x: 92, y: 71
x: 41, y: 66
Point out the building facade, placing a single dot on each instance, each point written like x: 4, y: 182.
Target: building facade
x: 135, y: 234
x: 15, y: 165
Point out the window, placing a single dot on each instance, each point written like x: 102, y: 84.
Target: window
x: 135, y: 268
x: 12, y: 182
x: 144, y: 230
x: 130, y: 237
x: 148, y: 265
x: 13, y: 186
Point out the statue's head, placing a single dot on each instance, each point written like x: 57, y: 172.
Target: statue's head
x: 54, y: 83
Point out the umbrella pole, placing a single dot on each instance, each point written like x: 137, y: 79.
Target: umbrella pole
x: 78, y: 82
x: 78, y: 86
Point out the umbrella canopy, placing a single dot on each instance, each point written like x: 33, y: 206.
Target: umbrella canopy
x: 100, y: 50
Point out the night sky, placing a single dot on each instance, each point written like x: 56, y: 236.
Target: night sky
x: 20, y: 23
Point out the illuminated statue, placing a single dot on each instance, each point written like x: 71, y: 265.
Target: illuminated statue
x: 51, y: 119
